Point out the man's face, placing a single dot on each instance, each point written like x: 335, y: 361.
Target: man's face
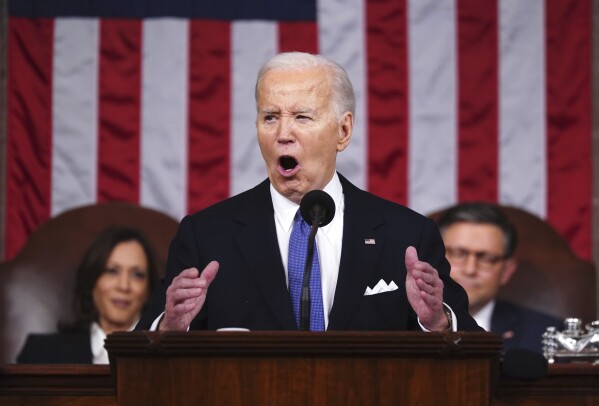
x: 476, y: 254
x: 298, y: 132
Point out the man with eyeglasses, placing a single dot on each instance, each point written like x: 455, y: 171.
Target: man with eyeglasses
x: 480, y: 244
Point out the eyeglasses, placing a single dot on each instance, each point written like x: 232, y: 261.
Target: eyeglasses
x: 484, y: 259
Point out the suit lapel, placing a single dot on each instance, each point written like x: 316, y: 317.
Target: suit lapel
x: 503, y: 321
x: 257, y: 241
x: 363, y: 241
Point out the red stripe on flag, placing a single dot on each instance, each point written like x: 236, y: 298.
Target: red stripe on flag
x: 209, y: 113
x: 29, y: 146
x: 298, y: 36
x: 387, y: 45
x: 477, y: 23
x: 569, y: 149
x: 119, y: 110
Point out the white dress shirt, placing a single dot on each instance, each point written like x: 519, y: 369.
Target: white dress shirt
x: 483, y: 316
x: 97, y: 337
x: 328, y: 239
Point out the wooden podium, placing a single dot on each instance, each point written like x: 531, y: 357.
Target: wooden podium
x: 301, y: 368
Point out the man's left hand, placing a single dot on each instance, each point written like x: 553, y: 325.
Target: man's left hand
x: 424, y: 289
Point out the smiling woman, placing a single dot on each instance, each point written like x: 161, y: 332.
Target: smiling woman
x: 113, y: 283
x: 122, y: 289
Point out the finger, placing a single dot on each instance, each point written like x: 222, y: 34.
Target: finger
x: 411, y: 258
x: 208, y: 274
x: 425, y: 271
x: 185, y: 278
x: 185, y: 283
x: 179, y: 295
x: 435, y: 290
x: 188, y: 273
x: 182, y: 309
x: 182, y: 289
x: 426, y: 275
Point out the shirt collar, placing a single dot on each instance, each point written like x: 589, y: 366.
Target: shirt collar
x: 285, y: 209
x: 97, y: 338
x: 483, y: 316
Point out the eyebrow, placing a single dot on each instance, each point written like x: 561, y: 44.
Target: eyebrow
x: 304, y: 110
x: 274, y: 110
x: 268, y: 111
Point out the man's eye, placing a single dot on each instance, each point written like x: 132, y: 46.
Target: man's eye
x: 269, y: 118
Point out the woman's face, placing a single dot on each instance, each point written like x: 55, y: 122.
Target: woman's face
x: 122, y: 289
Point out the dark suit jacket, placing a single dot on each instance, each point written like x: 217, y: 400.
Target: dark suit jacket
x: 521, y: 327
x: 59, y: 348
x: 250, y: 289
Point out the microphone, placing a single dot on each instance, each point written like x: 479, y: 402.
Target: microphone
x: 317, y: 205
x: 317, y: 209
x: 520, y: 363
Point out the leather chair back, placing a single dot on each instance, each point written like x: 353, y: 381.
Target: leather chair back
x: 36, y: 286
x: 549, y: 277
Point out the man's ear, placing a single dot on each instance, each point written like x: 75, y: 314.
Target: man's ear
x: 509, y: 268
x: 345, y: 131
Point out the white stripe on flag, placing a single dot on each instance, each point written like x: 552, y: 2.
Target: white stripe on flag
x: 164, y: 101
x: 433, y: 97
x: 522, y: 128
x: 253, y: 42
x: 74, y: 113
x: 341, y: 35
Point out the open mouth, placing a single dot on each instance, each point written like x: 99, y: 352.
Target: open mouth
x: 288, y: 163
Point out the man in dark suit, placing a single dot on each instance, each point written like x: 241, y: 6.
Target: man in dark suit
x: 382, y: 265
x: 480, y: 244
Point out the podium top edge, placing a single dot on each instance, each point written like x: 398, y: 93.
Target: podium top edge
x: 140, y: 343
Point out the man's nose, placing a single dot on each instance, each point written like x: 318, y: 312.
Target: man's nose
x: 470, y: 266
x: 285, y: 130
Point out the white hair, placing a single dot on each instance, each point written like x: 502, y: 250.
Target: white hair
x: 344, y: 99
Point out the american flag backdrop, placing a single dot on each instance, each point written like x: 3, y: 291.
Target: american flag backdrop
x: 152, y: 102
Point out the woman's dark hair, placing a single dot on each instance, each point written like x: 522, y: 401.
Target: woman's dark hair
x: 93, y: 265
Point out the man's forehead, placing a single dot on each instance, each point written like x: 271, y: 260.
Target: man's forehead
x: 474, y: 225
x: 300, y: 80
x: 294, y: 96
x: 474, y: 233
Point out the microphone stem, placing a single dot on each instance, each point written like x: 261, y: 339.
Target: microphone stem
x: 305, y: 298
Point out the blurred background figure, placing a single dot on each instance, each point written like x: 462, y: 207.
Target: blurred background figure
x: 480, y: 244
x: 114, y: 280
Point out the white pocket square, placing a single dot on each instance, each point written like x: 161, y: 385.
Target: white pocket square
x: 380, y: 287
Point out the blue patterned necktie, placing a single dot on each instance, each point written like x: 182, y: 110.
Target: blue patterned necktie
x: 298, y: 249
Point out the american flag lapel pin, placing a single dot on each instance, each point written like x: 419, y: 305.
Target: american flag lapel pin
x: 369, y: 241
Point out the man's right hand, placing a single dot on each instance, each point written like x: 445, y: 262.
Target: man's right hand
x: 186, y: 296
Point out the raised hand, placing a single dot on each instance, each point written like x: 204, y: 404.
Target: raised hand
x: 424, y: 289
x: 186, y: 296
